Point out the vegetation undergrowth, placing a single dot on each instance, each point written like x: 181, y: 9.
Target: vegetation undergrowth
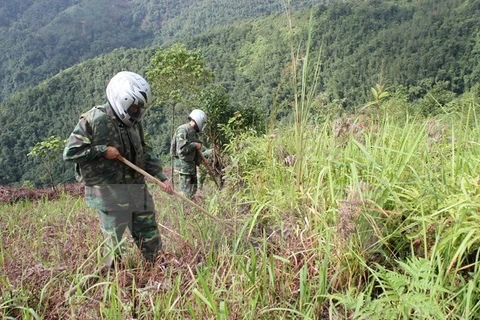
x: 384, y: 225
x: 386, y: 218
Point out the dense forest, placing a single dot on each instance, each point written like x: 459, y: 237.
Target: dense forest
x: 416, y: 49
x: 34, y: 49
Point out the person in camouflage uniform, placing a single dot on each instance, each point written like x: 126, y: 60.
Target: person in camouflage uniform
x: 117, y: 192
x: 186, y: 150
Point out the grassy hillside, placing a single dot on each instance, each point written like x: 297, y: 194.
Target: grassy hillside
x: 377, y: 216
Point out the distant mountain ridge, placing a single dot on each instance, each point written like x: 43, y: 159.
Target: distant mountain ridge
x: 41, y: 37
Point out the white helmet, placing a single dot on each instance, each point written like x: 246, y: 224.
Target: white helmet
x: 127, y: 89
x: 199, y: 117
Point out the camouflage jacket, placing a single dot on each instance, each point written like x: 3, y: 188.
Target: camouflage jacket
x: 110, y: 184
x: 184, y: 151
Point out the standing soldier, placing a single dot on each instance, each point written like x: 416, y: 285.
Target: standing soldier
x: 186, y: 150
x: 118, y: 193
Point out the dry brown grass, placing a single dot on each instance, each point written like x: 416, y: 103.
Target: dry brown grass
x: 13, y: 194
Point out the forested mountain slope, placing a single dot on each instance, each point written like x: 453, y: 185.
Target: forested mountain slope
x: 41, y: 37
x: 413, y: 47
x: 417, y: 44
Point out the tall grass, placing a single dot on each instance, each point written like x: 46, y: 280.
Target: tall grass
x: 304, y: 78
x: 396, y: 199
x: 384, y: 223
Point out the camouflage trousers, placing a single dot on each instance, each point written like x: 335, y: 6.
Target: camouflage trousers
x: 187, y: 185
x: 143, y: 228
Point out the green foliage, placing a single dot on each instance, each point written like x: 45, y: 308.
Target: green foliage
x: 34, y: 49
x: 436, y: 100
x: 378, y: 94
x: 49, y: 152
x: 401, y: 196
x: 413, y: 292
x: 48, y: 149
x: 385, y: 222
x: 227, y: 120
x: 305, y: 85
x: 177, y: 75
x: 180, y: 79
x: 382, y: 218
x: 42, y: 37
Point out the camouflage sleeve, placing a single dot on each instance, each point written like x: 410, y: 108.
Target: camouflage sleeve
x: 153, y: 165
x: 79, y: 147
x: 183, y: 146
